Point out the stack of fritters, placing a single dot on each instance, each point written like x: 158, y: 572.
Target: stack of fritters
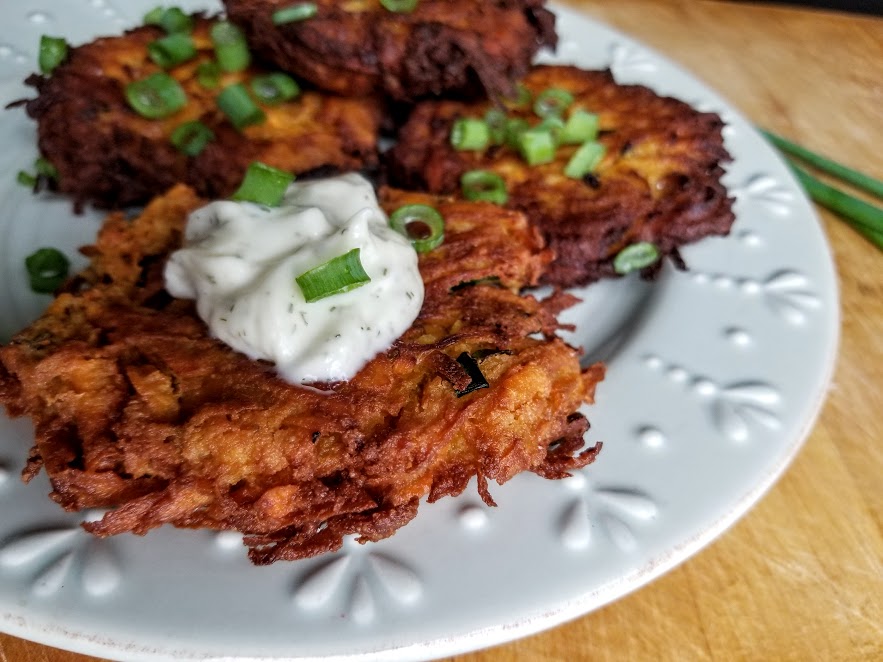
x: 137, y: 408
x: 109, y: 155
x: 659, y: 181
x: 437, y: 47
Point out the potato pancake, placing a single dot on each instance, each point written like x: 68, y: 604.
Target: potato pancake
x: 137, y: 408
x: 439, y: 47
x: 108, y: 154
x: 658, y: 179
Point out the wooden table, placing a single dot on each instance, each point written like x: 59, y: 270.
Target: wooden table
x: 800, y: 577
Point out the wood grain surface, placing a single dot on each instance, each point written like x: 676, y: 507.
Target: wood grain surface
x: 801, y: 576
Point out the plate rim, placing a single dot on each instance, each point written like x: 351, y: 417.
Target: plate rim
x: 573, y: 607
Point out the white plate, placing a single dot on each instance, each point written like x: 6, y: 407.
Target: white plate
x: 715, y: 378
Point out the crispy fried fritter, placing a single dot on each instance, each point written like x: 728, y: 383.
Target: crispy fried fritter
x: 137, y: 408
x: 108, y: 154
x: 658, y: 182
x: 442, y: 47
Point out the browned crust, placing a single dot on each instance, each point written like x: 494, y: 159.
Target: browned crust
x: 659, y: 182
x: 137, y: 408
x: 109, y: 155
x: 442, y: 47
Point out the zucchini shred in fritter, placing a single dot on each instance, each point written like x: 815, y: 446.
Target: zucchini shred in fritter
x: 136, y: 408
x: 109, y: 155
x: 659, y: 181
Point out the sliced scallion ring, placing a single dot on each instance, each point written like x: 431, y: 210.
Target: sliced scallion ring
x: 300, y: 11
x: 275, y: 88
x: 421, y: 224
x: 231, y: 48
x: 175, y: 20
x: 47, y: 268
x: 554, y: 125
x: 537, y: 146
x: 340, y: 274
x: 191, y: 138
x: 585, y: 160
x: 235, y: 102
x: 580, y: 127
x: 154, y: 16
x: 156, y: 96
x: 634, y: 257
x: 552, y: 102
x: 521, y: 99
x: 263, y: 184
x: 26, y: 179
x: 484, y: 185
x: 172, y: 50
x: 44, y: 168
x: 208, y: 74
x: 470, y: 133
x: 400, y: 6
x: 515, y: 126
x: 53, y: 51
x: 496, y: 124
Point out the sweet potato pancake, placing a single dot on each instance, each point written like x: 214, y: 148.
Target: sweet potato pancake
x: 138, y: 409
x: 108, y: 154
x: 658, y: 180
x: 440, y: 47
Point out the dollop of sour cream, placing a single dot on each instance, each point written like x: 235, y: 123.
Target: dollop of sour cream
x: 240, y: 260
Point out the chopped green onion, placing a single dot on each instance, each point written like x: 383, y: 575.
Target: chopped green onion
x: 340, y: 274
x: 863, y: 216
x: 635, y: 256
x: 47, y: 269
x: 53, y: 51
x: 521, y: 99
x: 585, y: 160
x: 238, y: 106
x: 26, y: 179
x: 580, y: 127
x: 154, y: 16
x: 175, y: 20
x: 554, y: 125
x: 400, y: 6
x: 45, y: 168
x: 172, y: 50
x: 296, y: 12
x: 264, y: 185
x: 469, y: 133
x: 172, y: 20
x: 552, y: 102
x: 496, y: 124
x: 231, y: 48
x: 847, y: 174
x: 484, y: 185
x: 156, y: 96
x: 515, y: 126
x: 421, y: 224
x: 208, y: 74
x: 537, y: 146
x: 192, y: 137
x: 275, y: 88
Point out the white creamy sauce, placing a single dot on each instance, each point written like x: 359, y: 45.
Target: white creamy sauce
x: 240, y: 260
